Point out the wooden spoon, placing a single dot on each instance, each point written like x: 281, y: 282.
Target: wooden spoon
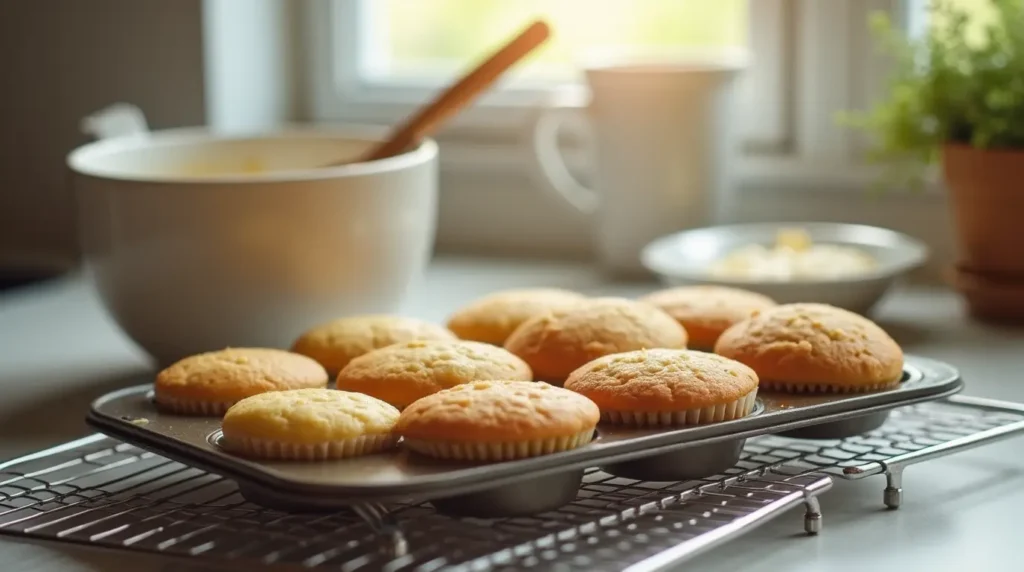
x: 461, y: 94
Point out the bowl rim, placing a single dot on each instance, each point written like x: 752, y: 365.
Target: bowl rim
x: 917, y: 252
x: 81, y: 159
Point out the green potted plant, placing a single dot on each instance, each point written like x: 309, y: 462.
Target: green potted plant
x: 956, y: 97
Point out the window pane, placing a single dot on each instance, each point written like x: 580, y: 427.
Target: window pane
x: 981, y: 14
x: 415, y: 38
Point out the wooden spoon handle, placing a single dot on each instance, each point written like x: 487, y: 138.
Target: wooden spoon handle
x: 458, y: 96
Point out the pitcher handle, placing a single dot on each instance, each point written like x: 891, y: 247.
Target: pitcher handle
x: 554, y: 175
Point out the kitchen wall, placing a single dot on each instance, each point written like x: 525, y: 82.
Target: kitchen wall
x: 63, y: 59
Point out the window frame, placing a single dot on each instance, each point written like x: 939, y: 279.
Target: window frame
x: 818, y: 59
x: 340, y: 93
x: 794, y: 122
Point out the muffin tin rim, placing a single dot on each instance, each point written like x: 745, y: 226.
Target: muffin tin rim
x: 939, y: 379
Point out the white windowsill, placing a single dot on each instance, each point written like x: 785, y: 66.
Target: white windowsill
x: 757, y: 170
x: 492, y: 203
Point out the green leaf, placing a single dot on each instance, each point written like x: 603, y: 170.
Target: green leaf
x: 962, y: 82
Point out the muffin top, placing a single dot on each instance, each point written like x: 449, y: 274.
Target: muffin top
x: 556, y: 343
x: 706, y: 311
x: 336, y: 343
x: 235, y: 373
x: 814, y: 345
x: 402, y: 373
x: 498, y: 411
x: 492, y: 318
x: 662, y: 380
x: 308, y: 416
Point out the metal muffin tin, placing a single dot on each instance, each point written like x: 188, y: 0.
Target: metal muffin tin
x: 511, y: 488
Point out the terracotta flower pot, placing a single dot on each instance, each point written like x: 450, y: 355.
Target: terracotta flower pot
x: 986, y: 189
x: 987, y: 193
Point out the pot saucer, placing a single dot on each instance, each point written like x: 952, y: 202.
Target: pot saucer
x: 991, y: 299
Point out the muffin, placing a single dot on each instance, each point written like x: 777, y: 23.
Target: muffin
x: 210, y: 383
x: 814, y: 348
x: 665, y: 387
x: 309, y: 425
x: 402, y: 373
x: 336, y: 343
x: 493, y: 318
x: 492, y: 421
x: 557, y: 342
x: 707, y: 311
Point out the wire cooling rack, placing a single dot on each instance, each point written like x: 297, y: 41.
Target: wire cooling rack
x: 100, y: 492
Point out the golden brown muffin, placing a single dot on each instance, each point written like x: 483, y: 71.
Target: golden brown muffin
x: 210, y: 383
x: 336, y: 343
x: 493, y: 318
x: 707, y: 311
x: 814, y: 348
x: 402, y: 373
x: 663, y: 387
x: 309, y: 425
x: 489, y: 421
x: 558, y: 342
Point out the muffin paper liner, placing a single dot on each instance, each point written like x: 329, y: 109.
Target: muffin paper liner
x: 193, y: 407
x: 333, y: 450
x: 497, y: 451
x: 696, y: 416
x: 826, y: 388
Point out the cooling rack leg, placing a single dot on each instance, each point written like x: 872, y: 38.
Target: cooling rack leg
x: 396, y: 546
x: 383, y: 523
x: 812, y: 515
x: 892, y: 496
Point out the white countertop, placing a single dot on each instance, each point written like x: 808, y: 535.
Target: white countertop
x: 58, y: 351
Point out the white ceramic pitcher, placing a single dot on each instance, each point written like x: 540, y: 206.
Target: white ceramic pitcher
x: 661, y: 134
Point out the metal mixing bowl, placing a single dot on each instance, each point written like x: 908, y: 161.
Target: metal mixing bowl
x: 686, y: 258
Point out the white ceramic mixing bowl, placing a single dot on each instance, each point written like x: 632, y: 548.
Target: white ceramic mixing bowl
x: 197, y: 241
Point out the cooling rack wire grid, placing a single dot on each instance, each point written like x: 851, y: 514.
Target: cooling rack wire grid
x: 100, y: 492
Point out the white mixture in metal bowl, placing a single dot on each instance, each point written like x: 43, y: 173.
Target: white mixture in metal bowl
x: 793, y: 257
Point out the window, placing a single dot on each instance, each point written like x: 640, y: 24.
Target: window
x: 413, y: 39
x: 374, y: 60
x: 383, y: 55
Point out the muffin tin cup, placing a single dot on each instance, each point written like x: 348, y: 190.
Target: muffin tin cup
x: 193, y: 408
x: 518, y: 487
x: 840, y: 429
x: 522, y: 498
x: 856, y: 425
x: 347, y: 448
x: 690, y: 464
x: 738, y: 409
